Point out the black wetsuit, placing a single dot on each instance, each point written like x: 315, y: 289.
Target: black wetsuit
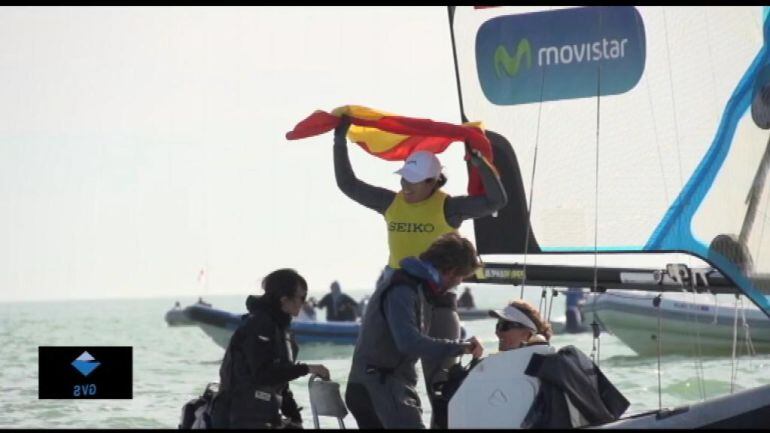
x: 256, y: 370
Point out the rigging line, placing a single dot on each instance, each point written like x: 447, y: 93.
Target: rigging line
x: 698, y: 366
x: 656, y: 303
x: 673, y: 98
x: 695, y: 348
x: 532, y: 183
x: 451, y: 12
x: 698, y: 347
x: 711, y: 63
x: 755, y: 194
x: 655, y: 130
x: 749, y: 344
x: 596, y: 331
x: 762, y: 231
x: 735, y: 340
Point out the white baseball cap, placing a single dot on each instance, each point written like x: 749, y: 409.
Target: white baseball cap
x: 419, y: 166
x: 513, y: 314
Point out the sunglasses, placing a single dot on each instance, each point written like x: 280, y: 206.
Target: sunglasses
x: 504, y: 325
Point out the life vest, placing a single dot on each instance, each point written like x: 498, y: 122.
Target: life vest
x: 412, y: 227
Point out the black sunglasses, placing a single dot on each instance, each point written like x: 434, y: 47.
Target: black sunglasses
x: 504, y: 325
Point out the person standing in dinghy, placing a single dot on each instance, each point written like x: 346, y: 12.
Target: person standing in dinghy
x: 415, y: 217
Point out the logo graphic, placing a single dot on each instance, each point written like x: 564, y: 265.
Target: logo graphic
x: 563, y: 54
x: 85, y: 363
x: 511, y: 64
x: 67, y: 372
x: 497, y: 398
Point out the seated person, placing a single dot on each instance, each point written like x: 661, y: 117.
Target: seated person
x: 202, y: 302
x: 339, y: 306
x: 573, y: 391
x: 519, y: 324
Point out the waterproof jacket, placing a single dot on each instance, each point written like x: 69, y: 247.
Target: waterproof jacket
x: 393, y: 332
x: 257, y: 368
x: 569, y: 372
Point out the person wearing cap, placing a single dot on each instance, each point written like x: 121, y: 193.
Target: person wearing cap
x: 519, y: 324
x: 382, y: 384
x: 417, y: 215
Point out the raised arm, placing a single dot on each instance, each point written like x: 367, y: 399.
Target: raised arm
x: 373, y: 197
x: 457, y: 209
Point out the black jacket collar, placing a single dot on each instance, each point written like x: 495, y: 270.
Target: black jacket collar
x: 261, y: 305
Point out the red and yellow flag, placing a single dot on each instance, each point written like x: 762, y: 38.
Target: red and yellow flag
x: 394, y: 138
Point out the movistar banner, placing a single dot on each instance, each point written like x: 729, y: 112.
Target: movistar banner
x: 560, y: 54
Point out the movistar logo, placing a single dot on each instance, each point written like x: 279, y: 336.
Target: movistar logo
x: 510, y: 64
x: 557, y: 54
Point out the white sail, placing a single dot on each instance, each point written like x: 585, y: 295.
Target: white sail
x: 632, y: 126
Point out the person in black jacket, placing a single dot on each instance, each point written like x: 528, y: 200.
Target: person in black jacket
x: 339, y: 306
x: 260, y: 362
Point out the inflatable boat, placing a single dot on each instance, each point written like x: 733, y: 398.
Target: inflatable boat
x: 177, y: 317
x: 220, y: 325
x: 688, y: 326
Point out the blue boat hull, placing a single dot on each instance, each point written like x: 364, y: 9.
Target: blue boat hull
x: 224, y: 323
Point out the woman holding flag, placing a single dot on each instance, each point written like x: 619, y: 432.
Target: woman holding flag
x: 416, y: 216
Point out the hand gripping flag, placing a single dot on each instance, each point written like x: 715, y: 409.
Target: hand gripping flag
x: 394, y: 138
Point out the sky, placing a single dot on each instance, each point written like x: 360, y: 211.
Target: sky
x: 140, y: 145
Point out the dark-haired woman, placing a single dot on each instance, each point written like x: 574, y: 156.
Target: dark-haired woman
x: 416, y: 216
x: 260, y: 361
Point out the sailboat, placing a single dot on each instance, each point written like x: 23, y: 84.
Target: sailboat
x: 619, y: 132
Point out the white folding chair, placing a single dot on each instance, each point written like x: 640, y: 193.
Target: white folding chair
x: 325, y: 400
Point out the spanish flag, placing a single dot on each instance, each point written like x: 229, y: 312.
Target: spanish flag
x: 394, y: 138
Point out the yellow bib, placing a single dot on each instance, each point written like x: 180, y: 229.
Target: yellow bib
x: 412, y: 227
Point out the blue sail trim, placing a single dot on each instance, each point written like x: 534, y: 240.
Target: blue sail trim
x: 675, y: 225
x: 674, y: 230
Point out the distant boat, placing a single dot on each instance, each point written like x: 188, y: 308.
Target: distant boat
x: 177, y: 317
x: 632, y: 317
x: 220, y: 325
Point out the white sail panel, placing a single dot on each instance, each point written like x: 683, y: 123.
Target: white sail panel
x: 636, y: 122
x: 651, y: 138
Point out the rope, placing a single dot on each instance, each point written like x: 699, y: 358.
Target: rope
x: 733, y: 363
x: 673, y: 97
x: 747, y: 330
x: 532, y: 185
x: 698, y: 352
x: 596, y: 345
x: 658, y: 338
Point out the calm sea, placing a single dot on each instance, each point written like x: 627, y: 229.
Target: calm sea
x: 173, y: 364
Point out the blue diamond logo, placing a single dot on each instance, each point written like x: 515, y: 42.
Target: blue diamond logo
x: 85, y: 363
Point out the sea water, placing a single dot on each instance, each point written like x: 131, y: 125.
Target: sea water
x: 173, y: 364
